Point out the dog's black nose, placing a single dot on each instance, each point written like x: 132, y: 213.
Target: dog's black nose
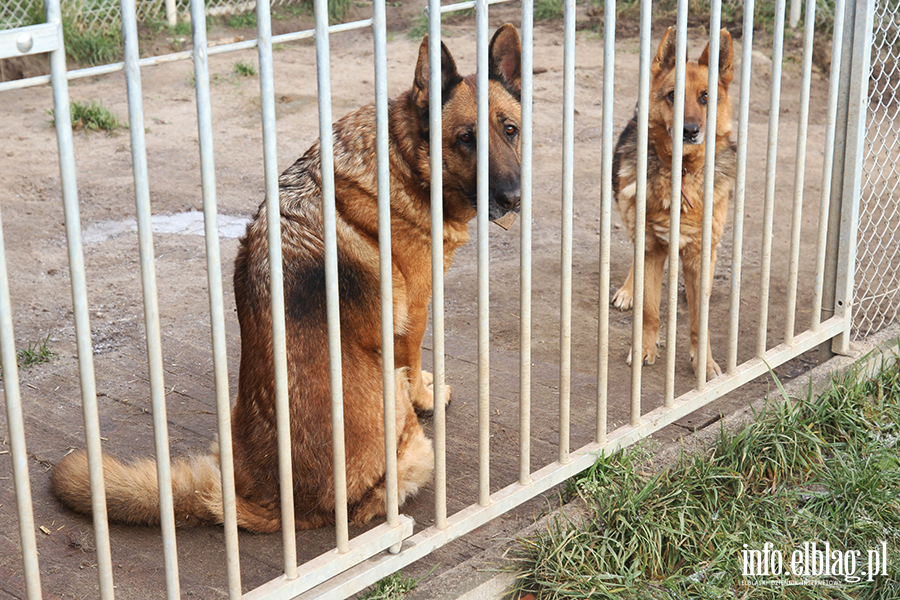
x: 508, y: 198
x: 691, y: 131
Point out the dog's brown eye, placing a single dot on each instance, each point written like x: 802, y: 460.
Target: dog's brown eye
x: 704, y: 98
x: 671, y: 96
x: 467, y: 138
x: 511, y: 130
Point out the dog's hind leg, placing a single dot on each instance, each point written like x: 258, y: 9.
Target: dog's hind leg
x: 692, y: 290
x: 624, y: 297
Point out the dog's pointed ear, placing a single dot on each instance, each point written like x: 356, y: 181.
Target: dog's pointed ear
x: 665, y: 56
x: 449, y: 75
x: 726, y: 59
x: 505, y: 59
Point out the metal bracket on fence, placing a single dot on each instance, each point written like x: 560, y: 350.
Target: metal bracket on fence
x: 34, y: 39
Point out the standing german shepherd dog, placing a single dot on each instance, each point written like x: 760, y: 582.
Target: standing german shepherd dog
x: 659, y: 185
x: 132, y: 493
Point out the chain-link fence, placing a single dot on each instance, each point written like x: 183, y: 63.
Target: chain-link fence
x: 878, y: 271
x: 15, y: 13
x: 100, y: 14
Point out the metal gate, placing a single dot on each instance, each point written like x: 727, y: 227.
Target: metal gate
x: 357, y: 562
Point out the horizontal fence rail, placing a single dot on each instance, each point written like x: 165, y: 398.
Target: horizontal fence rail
x: 356, y: 561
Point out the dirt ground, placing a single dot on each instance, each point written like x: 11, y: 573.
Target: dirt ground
x: 33, y: 227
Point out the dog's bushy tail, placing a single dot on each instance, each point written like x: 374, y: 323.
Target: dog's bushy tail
x: 132, y: 493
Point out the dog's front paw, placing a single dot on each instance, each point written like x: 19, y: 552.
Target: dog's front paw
x: 623, y: 299
x: 423, y: 401
x: 712, y: 367
x: 648, y: 354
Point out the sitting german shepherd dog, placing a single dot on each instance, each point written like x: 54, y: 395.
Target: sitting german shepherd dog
x: 132, y: 493
x: 659, y: 186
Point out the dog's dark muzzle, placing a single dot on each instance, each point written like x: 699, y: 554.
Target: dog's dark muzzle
x: 503, y: 201
x: 693, y: 133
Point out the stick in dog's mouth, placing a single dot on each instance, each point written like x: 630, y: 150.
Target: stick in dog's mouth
x: 506, y: 221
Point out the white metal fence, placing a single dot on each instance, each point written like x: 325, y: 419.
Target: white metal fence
x: 359, y: 561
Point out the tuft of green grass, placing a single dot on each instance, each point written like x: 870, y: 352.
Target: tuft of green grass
x: 245, y: 20
x: 546, y: 10
x: 244, y: 68
x: 92, y: 116
x: 392, y: 587
x: 155, y: 26
x: 292, y: 11
x: 338, y: 9
x: 214, y: 79
x: 420, y: 28
x: 91, y: 47
x: 181, y: 28
x: 35, y: 354
x: 823, y: 469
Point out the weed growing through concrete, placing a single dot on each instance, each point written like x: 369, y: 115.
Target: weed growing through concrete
x: 803, y: 475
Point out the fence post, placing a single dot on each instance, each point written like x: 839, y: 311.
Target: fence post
x: 795, y: 13
x: 829, y: 282
x: 849, y: 214
x: 171, y: 14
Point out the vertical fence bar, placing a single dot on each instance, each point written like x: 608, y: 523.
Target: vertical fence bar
x: 151, y: 303
x: 828, y: 162
x: 709, y: 171
x: 326, y: 145
x: 482, y: 137
x: 856, y: 138
x: 737, y: 251
x: 525, y: 246
x: 829, y: 281
x: 437, y: 260
x: 799, y: 171
x: 82, y: 332
x: 606, y: 200
x: 276, y: 291
x: 675, y: 201
x: 16, y: 424
x: 568, y: 192
x: 379, y: 33
x: 771, y: 166
x: 640, y: 214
